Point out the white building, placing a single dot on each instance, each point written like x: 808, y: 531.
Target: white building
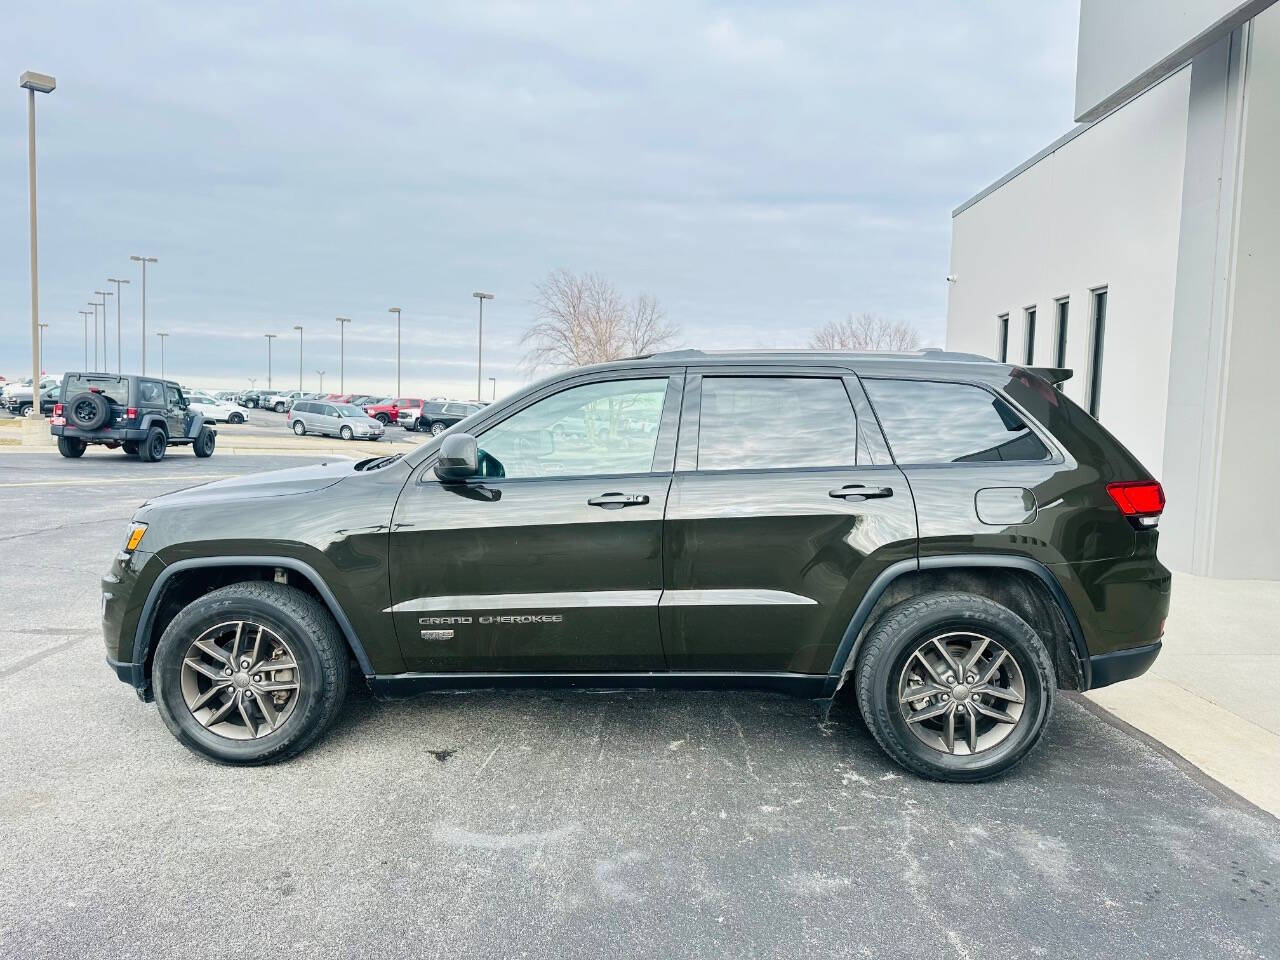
x: 1142, y: 249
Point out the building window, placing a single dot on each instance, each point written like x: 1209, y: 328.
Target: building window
x: 1002, y: 322
x: 1060, y: 348
x: 1031, y: 335
x: 1095, y: 349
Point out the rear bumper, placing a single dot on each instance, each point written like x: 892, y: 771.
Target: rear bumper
x: 1108, y: 668
x: 119, y: 435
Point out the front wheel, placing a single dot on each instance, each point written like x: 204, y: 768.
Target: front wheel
x: 24, y: 410
x: 204, y: 443
x: 955, y: 686
x: 346, y: 433
x: 236, y: 418
x: 280, y: 408
x: 71, y: 447
x: 250, y: 673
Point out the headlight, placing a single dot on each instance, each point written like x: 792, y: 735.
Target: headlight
x: 136, y: 532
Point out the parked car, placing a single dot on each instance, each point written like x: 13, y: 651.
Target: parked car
x: 332, y: 419
x: 249, y: 398
x: 17, y: 396
x: 143, y: 415
x: 950, y: 571
x: 214, y: 410
x: 435, y: 417
x: 387, y: 410
x: 279, y: 402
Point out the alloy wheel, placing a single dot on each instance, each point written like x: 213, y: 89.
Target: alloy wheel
x: 240, y: 680
x: 961, y: 693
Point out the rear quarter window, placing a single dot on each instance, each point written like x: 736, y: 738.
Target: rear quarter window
x: 927, y: 421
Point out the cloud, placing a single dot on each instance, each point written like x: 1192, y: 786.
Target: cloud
x: 761, y: 168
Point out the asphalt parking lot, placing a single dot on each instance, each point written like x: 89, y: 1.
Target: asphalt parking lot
x: 562, y: 824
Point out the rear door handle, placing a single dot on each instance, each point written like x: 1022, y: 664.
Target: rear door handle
x: 616, y: 501
x: 860, y: 491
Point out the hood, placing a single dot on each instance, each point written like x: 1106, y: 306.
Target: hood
x: 274, y: 483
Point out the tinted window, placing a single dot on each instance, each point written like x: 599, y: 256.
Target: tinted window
x: 150, y: 393
x: 591, y: 430
x: 929, y: 422
x: 303, y: 407
x: 754, y: 422
x: 115, y: 389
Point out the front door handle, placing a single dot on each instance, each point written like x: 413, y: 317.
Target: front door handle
x: 859, y: 491
x: 616, y: 501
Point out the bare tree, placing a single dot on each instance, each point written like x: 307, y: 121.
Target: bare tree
x: 866, y: 331
x: 582, y: 318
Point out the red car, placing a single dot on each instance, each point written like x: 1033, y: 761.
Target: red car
x: 388, y: 412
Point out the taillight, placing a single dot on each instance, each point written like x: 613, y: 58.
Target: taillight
x: 131, y: 413
x: 1140, y: 500
x: 57, y: 409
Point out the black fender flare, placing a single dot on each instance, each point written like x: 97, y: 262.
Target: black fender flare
x: 146, y: 622
x: 847, y: 652
x: 150, y: 420
x: 194, y: 423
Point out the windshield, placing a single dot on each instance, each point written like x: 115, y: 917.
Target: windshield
x: 349, y: 410
x: 115, y: 389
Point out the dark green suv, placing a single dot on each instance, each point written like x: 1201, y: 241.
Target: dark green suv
x: 949, y: 539
x: 142, y: 415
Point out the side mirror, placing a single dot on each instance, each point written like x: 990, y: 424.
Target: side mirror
x: 459, y: 458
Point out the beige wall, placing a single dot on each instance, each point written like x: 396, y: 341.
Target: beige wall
x: 1102, y: 209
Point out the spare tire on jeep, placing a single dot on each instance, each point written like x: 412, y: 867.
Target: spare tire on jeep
x: 88, y: 411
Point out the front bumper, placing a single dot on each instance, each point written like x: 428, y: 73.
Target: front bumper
x: 124, y: 594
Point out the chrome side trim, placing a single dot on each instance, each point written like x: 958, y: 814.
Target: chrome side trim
x: 732, y: 598
x: 530, y: 601
x: 601, y: 598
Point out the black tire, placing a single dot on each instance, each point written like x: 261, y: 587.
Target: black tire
x: 24, y: 410
x: 346, y: 433
x: 235, y: 418
x: 153, y: 446
x: 893, y: 641
x: 88, y: 411
x: 204, y: 443
x: 437, y: 428
x: 317, y: 645
x: 411, y: 426
x: 70, y: 447
x: 382, y: 418
x: 299, y: 427
x: 130, y: 447
x: 280, y: 407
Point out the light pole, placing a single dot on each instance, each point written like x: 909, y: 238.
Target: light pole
x: 396, y: 311
x: 482, y: 297
x: 43, y: 327
x: 270, y: 337
x: 161, y: 336
x: 299, y: 329
x: 34, y: 83
x: 119, y: 361
x: 106, y: 358
x: 493, y: 384
x: 321, y: 373
x: 342, y: 347
x: 94, y: 304
x: 144, y: 261
x: 85, y: 314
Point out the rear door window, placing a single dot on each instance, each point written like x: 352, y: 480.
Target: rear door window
x: 775, y: 422
x: 928, y: 421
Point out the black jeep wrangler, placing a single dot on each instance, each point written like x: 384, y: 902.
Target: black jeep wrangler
x: 143, y: 415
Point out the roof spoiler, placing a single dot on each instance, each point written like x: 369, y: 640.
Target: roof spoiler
x: 1054, y: 375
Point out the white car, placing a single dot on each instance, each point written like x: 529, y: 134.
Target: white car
x: 214, y: 410
x: 279, y: 402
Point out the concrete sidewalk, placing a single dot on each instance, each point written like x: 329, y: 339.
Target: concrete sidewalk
x: 1213, y: 695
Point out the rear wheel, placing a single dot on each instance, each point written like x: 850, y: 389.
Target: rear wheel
x: 153, y: 446
x: 130, y: 447
x: 346, y: 433
x: 955, y: 686
x: 250, y: 673
x: 438, y: 428
x: 204, y: 443
x: 299, y: 427
x: 70, y: 447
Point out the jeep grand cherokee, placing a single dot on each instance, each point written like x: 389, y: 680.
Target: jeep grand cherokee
x: 950, y: 539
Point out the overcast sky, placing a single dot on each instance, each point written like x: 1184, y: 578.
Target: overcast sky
x: 759, y: 167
